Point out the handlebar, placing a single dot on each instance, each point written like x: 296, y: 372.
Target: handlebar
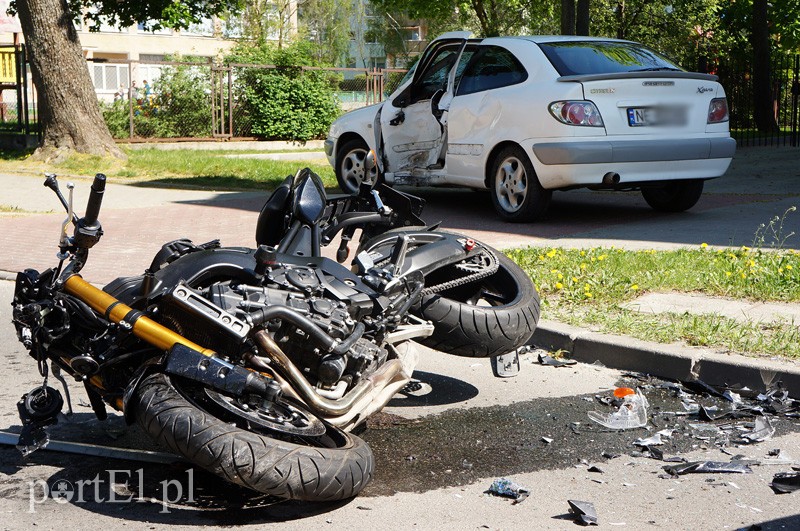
x: 95, y: 200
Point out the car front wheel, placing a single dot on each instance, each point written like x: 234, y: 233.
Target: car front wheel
x: 673, y: 196
x: 350, y: 166
x: 517, y: 194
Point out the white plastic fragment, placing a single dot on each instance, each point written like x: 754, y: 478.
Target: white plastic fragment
x: 631, y: 414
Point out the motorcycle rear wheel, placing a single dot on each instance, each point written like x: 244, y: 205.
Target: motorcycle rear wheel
x: 485, y: 318
x: 328, y: 467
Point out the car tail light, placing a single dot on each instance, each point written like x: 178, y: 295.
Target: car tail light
x: 718, y: 111
x: 576, y: 113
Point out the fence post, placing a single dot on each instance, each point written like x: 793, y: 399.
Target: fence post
x: 230, y: 101
x: 130, y: 99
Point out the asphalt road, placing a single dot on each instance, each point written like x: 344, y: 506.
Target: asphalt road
x: 437, y: 450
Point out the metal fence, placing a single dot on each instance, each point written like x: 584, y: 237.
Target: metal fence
x: 189, y: 100
x: 737, y: 78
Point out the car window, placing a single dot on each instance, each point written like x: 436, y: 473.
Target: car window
x: 490, y: 68
x: 603, y: 57
x: 434, y: 78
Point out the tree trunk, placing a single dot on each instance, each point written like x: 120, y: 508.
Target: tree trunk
x: 567, y: 17
x: 763, y: 111
x: 582, y: 18
x: 69, y: 114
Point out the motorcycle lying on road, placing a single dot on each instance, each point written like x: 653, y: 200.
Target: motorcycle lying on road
x: 257, y: 363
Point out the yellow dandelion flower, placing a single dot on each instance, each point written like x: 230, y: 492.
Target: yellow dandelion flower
x: 583, y: 253
x: 583, y: 265
x: 593, y: 259
x: 780, y: 270
x: 575, y: 279
x: 560, y: 276
x: 635, y: 287
x: 789, y: 267
x: 554, y: 271
x: 743, y: 275
x: 587, y: 287
x: 588, y: 295
x: 559, y: 285
x: 602, y: 257
x: 551, y: 253
x: 703, y: 245
x: 728, y: 273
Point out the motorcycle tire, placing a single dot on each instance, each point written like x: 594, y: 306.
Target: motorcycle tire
x: 486, y: 318
x: 330, y: 467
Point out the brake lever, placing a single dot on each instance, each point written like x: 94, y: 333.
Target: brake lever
x: 51, y: 181
x: 63, y: 239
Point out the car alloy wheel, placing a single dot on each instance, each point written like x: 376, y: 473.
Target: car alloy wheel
x: 511, y: 184
x: 351, y: 166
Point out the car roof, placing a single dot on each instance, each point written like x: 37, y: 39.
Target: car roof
x: 542, y: 39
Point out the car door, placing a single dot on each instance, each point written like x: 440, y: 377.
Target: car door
x: 413, y: 122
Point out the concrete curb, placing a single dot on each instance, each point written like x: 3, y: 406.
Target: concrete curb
x: 672, y: 361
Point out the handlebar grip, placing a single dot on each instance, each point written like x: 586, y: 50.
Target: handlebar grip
x: 95, y: 200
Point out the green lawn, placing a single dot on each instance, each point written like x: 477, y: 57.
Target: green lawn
x: 186, y: 167
x: 586, y: 288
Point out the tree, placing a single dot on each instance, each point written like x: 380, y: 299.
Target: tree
x: 70, y: 115
x: 763, y: 113
x: 326, y: 23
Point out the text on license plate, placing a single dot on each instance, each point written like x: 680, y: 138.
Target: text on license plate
x: 641, y: 116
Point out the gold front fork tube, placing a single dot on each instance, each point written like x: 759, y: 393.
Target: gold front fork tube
x: 143, y: 327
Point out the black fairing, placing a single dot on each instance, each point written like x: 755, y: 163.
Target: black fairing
x: 272, y: 219
x: 309, y: 197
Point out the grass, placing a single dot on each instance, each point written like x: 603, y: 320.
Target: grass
x: 194, y: 168
x: 586, y: 287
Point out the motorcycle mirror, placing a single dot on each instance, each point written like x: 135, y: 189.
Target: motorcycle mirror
x: 370, y: 164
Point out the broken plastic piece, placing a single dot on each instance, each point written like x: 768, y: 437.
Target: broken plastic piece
x: 506, y: 365
x: 650, y: 441
x: 785, y: 482
x: 622, y: 392
x: 584, y: 512
x: 544, y: 359
x: 762, y: 430
x: 708, y: 467
x: 509, y: 489
x: 631, y: 414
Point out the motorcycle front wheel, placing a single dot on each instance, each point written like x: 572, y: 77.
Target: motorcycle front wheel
x: 312, y: 461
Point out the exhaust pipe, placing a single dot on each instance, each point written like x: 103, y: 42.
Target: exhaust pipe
x: 317, y: 403
x: 611, y: 178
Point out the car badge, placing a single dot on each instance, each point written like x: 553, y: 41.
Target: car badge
x: 658, y: 83
x: 603, y: 91
x: 703, y: 90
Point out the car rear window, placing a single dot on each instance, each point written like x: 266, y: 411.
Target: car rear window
x: 603, y: 57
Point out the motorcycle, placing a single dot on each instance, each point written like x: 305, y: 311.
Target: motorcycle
x: 256, y: 364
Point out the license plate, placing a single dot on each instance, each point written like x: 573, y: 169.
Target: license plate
x: 640, y: 116
x: 656, y: 116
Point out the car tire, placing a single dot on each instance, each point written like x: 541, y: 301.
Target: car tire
x: 517, y: 194
x: 673, y: 196
x: 350, y: 170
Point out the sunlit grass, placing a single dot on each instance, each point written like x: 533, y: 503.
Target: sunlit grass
x: 185, y: 167
x: 586, y: 287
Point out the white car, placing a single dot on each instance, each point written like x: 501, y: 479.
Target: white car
x: 523, y: 116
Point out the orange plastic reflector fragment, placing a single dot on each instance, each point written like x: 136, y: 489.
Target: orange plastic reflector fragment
x: 621, y: 392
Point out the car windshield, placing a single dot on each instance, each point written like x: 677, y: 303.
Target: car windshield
x: 603, y: 57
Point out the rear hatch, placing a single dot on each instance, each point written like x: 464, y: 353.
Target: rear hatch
x: 636, y: 90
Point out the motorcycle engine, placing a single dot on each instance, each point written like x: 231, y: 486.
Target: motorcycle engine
x: 333, y: 305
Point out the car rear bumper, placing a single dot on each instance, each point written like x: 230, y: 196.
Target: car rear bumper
x: 623, y: 151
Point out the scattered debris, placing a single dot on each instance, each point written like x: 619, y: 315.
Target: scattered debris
x: 762, y: 430
x: 708, y: 467
x: 545, y: 359
x: 655, y: 440
x: 547, y: 440
x: 631, y: 414
x: 785, y: 482
x: 594, y: 468
x: 609, y: 455
x: 508, y: 489
x: 584, y: 512
x: 507, y: 365
x: 733, y: 397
